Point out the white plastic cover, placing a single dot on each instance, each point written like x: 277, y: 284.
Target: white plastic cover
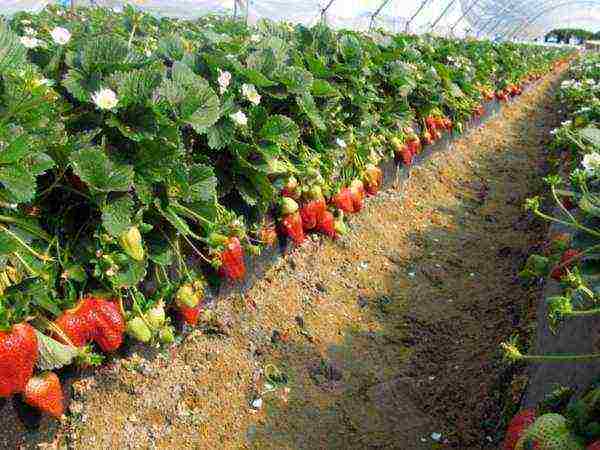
x: 497, y: 19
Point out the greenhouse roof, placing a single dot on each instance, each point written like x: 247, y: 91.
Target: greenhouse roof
x: 496, y: 19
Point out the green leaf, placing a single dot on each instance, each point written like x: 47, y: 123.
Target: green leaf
x: 116, y: 215
x: 206, y: 115
x: 202, y: 183
x: 13, y: 55
x: 38, y: 163
x: 592, y: 135
x: 256, y: 78
x: 296, y: 79
x: 134, y: 273
x: 53, y: 354
x: 95, y: 168
x: 135, y: 86
x: 221, y: 135
x: 590, y: 203
x: 75, y: 272
x: 16, y: 150
x: 190, y: 97
x: 160, y: 252
x: 322, y: 88
x: 19, y: 182
x: 280, y: 130
x: 350, y: 49
x: 308, y: 107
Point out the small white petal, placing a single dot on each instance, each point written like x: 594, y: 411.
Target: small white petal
x: 60, y: 35
x: 105, y: 99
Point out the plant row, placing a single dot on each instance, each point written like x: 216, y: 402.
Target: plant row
x: 143, y: 158
x: 570, y: 258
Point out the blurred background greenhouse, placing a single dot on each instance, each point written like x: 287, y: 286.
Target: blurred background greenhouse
x: 495, y: 19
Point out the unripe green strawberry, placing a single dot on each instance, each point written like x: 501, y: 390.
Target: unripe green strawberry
x: 549, y: 432
x: 398, y: 145
x: 288, y: 206
x: 131, y: 241
x: 156, y: 316
x: 315, y: 193
x: 537, y: 264
x: 217, y: 240
x: 186, y: 296
x: 138, y: 329
x: 166, y: 335
x: 340, y: 226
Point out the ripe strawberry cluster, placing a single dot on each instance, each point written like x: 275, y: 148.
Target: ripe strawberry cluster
x: 92, y: 320
x: 309, y: 210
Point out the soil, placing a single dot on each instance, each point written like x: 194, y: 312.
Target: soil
x: 382, y: 339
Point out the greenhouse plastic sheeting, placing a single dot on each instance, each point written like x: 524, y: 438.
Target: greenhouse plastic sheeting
x: 497, y: 19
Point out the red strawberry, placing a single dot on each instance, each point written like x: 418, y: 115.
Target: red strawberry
x: 414, y: 145
x: 190, y: 315
x: 427, y: 138
x: 110, y: 325
x: 593, y: 446
x: 327, y: 225
x: 431, y: 123
x: 357, y: 192
x: 18, y: 355
x: 292, y: 227
x: 406, y: 155
x: 232, y: 260
x: 311, y: 213
x: 566, y: 260
x: 517, y: 426
x: 76, y: 324
x: 94, y: 319
x: 343, y: 200
x: 45, y: 393
x: 373, y: 179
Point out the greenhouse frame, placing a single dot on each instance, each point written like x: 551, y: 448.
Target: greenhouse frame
x: 494, y: 19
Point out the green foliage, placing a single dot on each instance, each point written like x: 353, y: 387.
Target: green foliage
x: 187, y: 128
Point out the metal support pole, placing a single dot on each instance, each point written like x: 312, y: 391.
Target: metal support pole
x: 324, y: 10
x: 436, y: 21
x: 376, y: 13
x: 464, y: 14
x: 423, y: 4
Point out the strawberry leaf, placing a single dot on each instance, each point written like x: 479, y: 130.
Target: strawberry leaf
x: 95, y: 168
x: 116, y: 215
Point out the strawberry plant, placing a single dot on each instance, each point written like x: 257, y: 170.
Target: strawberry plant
x: 143, y: 159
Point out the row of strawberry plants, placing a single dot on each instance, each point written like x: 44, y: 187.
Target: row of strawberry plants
x: 142, y: 158
x: 568, y: 419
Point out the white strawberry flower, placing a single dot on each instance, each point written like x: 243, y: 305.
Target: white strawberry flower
x: 30, y: 31
x: 42, y: 82
x: 105, y: 99
x: 591, y: 163
x: 340, y: 142
x: 239, y: 118
x: 224, y: 80
x: 249, y: 91
x: 30, y: 41
x: 60, y: 35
